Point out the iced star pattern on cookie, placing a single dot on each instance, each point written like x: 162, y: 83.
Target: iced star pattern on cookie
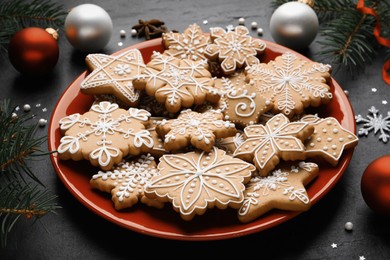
x: 105, y: 134
x: 279, y: 138
x: 114, y: 75
x: 283, y: 189
x: 176, y: 82
x: 187, y: 45
x: 291, y: 83
x: 196, y: 181
x: 127, y: 180
x: 193, y: 128
x: 234, y: 49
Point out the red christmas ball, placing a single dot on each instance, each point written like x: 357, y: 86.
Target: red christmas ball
x: 33, y: 51
x: 375, y: 185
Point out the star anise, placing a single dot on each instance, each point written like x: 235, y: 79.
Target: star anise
x: 150, y: 28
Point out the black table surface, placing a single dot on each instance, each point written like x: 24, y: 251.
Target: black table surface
x: 76, y: 232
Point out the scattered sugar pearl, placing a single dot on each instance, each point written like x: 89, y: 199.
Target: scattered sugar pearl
x: 348, y: 226
x: 26, y: 107
x: 42, y: 122
x: 122, y: 33
x: 14, y: 115
x: 133, y: 32
x: 241, y: 21
x: 254, y: 25
x: 260, y: 31
x: 346, y: 92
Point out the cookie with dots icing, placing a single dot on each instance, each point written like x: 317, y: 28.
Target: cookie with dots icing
x: 329, y: 139
x: 234, y: 49
x: 126, y: 182
x: 264, y: 145
x: 158, y: 143
x: 196, y: 181
x: 104, y: 135
x: 114, y: 75
x: 230, y: 144
x: 291, y: 83
x: 283, y: 188
x: 197, y: 129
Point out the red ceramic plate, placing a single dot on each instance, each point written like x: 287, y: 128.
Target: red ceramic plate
x: 166, y: 223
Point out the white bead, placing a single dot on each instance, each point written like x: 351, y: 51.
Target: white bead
x: 14, y: 115
x: 26, y: 107
x: 260, y: 31
x: 42, y: 122
x: 122, y: 33
x: 254, y: 25
x: 133, y: 32
x: 346, y: 92
x: 241, y: 21
x: 348, y: 226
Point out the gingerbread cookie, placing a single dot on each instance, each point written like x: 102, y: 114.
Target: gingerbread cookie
x: 279, y: 138
x: 230, y: 144
x: 114, y: 75
x: 158, y: 143
x: 234, y: 49
x: 196, y: 181
x: 176, y: 82
x: 104, y: 135
x: 291, y: 83
x: 193, y: 128
x: 187, y: 45
x: 126, y: 182
x: 329, y: 139
x: 283, y: 189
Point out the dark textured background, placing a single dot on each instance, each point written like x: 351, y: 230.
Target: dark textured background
x: 75, y: 232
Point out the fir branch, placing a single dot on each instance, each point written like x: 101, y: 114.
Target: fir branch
x: 18, y: 14
x: 19, y: 200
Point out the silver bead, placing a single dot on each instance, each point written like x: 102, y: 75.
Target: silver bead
x: 346, y: 92
x: 14, y: 115
x: 348, y: 226
x: 122, y: 33
x: 88, y: 27
x: 26, y: 107
x: 254, y: 25
x: 133, y: 32
x: 260, y: 31
x: 294, y: 25
x: 241, y: 21
x: 42, y: 122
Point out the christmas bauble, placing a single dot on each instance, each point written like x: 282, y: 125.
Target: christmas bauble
x: 33, y: 50
x: 375, y: 185
x: 294, y: 25
x: 88, y: 27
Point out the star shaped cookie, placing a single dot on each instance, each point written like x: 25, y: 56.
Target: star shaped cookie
x: 126, y: 182
x: 114, y: 75
x: 176, y: 82
x: 291, y: 83
x: 283, y: 189
x: 234, y: 49
x: 329, y: 139
x: 278, y: 138
x: 196, y: 181
x: 193, y: 128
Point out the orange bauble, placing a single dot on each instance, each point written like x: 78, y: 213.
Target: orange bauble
x: 375, y: 185
x: 33, y: 51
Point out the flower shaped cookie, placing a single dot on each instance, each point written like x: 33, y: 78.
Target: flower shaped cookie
x: 234, y: 49
x: 104, y: 135
x: 196, y: 181
x: 291, y: 83
x: 193, y: 128
x: 177, y: 82
x: 279, y: 138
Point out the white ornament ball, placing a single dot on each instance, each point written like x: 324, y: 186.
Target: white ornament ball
x: 26, y: 107
x: 294, y: 25
x: 42, y: 122
x: 122, y: 33
x: 133, y: 32
x: 241, y: 21
x: 254, y: 25
x: 348, y: 226
x: 88, y: 27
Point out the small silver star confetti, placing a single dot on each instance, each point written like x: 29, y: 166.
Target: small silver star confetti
x: 120, y: 43
x: 384, y: 102
x: 205, y: 22
x: 333, y: 245
x: 361, y: 257
x: 373, y: 89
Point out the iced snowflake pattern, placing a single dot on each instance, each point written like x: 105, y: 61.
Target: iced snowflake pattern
x: 375, y: 122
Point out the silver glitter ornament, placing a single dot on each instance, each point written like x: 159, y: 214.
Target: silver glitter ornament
x: 88, y: 27
x: 294, y: 25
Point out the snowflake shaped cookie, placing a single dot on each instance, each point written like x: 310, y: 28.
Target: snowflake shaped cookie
x: 114, y: 75
x: 375, y: 122
x: 176, y: 82
x: 104, y: 135
x: 126, y: 182
x: 158, y: 143
x: 230, y: 144
x: 196, y: 181
x: 291, y: 83
x: 279, y: 138
x: 187, y: 45
x: 193, y: 128
x: 283, y: 189
x: 329, y: 139
x: 234, y: 49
